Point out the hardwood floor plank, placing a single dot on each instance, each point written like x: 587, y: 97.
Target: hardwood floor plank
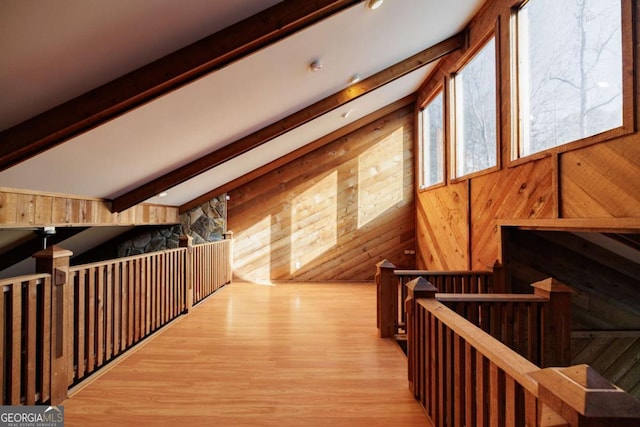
x: 256, y: 355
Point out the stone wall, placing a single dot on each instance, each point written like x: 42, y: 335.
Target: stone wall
x: 151, y: 241
x: 206, y: 223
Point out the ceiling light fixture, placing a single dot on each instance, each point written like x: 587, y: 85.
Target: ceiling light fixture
x: 163, y: 194
x: 374, y: 4
x: 355, y: 78
x: 316, y: 65
x: 346, y: 114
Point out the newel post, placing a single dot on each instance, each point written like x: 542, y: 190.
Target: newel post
x: 556, y: 322
x: 228, y: 235
x: 55, y: 261
x: 187, y: 242
x: 387, y: 301
x: 417, y: 288
x: 499, y: 279
x: 583, y: 398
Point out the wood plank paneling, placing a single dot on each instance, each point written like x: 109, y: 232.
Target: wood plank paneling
x: 602, y: 180
x: 24, y: 208
x: 333, y: 213
x: 442, y: 228
x: 525, y: 192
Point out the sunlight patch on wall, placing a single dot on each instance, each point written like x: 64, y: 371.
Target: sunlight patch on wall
x: 253, y: 246
x: 380, y: 177
x: 314, y: 222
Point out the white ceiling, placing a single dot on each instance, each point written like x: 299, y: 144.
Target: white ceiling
x: 55, y: 50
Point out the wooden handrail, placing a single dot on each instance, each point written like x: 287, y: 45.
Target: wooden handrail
x: 392, y: 292
x: 120, y: 260
x: 463, y: 376
x: 513, y: 298
x: 22, y: 279
x: 443, y: 273
x: 502, y: 356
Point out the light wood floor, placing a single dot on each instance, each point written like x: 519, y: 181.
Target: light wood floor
x: 257, y: 355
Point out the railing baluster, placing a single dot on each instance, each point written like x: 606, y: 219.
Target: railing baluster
x: 469, y: 385
x: 30, y: 341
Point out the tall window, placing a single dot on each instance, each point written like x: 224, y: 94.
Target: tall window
x: 569, y: 71
x: 432, y: 143
x: 475, y: 113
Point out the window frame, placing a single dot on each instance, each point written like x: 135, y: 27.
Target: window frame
x: 471, y: 53
x: 439, y: 89
x: 628, y: 108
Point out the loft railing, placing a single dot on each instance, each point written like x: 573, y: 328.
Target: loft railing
x: 58, y: 327
x: 212, y: 268
x: 461, y: 375
x: 118, y: 303
x: 536, y: 326
x: 25, y: 339
x: 392, y: 290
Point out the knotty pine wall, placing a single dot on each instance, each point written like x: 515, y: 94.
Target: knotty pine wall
x: 457, y: 224
x: 333, y: 213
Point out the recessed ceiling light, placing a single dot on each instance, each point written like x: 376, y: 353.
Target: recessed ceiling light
x: 374, y: 4
x: 316, y: 65
x: 163, y: 194
x: 355, y: 78
x: 346, y: 114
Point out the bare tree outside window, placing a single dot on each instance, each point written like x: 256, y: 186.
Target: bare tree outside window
x: 475, y: 113
x: 432, y: 143
x: 570, y: 71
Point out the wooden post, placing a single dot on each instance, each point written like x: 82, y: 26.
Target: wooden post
x: 583, y: 398
x: 499, y: 279
x: 417, y: 288
x: 187, y: 242
x: 387, y: 288
x: 55, y: 261
x: 228, y: 235
x: 555, y: 342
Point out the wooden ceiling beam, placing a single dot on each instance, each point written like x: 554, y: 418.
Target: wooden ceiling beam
x: 318, y: 143
x: 287, y: 124
x: 112, y: 99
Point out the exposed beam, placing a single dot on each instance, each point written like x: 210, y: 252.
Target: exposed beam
x: 287, y: 124
x: 320, y: 142
x: 99, y: 105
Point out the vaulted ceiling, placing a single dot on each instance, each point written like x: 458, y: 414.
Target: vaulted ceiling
x: 215, y: 90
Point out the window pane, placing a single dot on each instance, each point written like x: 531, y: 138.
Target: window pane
x: 475, y: 113
x: 570, y: 65
x: 432, y: 143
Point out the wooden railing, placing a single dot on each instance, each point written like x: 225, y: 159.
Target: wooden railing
x: 461, y: 375
x: 212, y: 268
x: 25, y: 337
x: 58, y: 327
x: 118, y: 303
x: 536, y: 326
x: 392, y: 290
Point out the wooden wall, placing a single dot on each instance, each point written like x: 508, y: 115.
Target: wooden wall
x: 457, y: 225
x: 21, y: 208
x: 333, y: 213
